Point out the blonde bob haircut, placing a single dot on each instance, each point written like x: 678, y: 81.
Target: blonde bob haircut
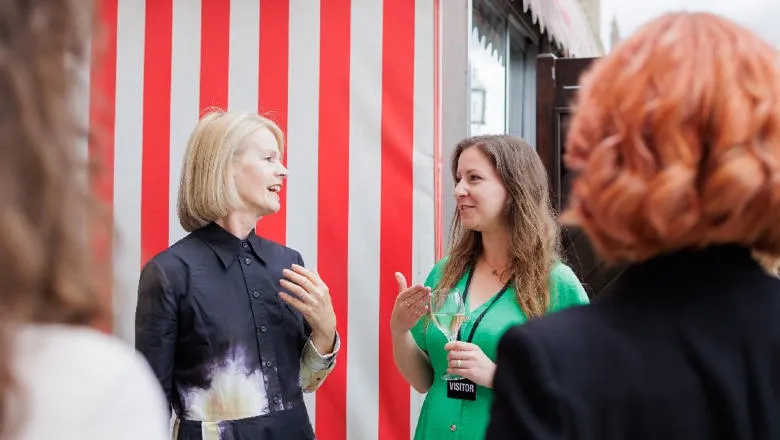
x: 206, y: 189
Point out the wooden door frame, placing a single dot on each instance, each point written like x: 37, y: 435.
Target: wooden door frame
x: 556, y: 87
x: 552, y: 104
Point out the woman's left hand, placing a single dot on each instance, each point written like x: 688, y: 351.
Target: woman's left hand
x: 468, y: 360
x: 311, y: 297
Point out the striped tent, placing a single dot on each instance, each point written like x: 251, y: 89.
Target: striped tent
x: 354, y: 86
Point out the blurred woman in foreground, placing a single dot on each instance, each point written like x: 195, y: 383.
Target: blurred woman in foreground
x: 58, y: 377
x: 676, y: 142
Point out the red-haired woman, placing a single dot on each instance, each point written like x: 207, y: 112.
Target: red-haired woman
x: 676, y: 142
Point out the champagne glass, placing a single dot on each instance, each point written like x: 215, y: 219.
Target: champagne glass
x: 448, y: 312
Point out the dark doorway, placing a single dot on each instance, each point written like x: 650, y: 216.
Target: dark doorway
x: 556, y: 87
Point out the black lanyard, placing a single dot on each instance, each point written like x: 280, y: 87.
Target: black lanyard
x: 484, y: 312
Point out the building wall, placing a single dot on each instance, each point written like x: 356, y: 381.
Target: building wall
x: 498, y: 43
x: 352, y: 84
x: 614, y: 34
x: 592, y: 10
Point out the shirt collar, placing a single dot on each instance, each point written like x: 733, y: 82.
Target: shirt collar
x: 226, y: 245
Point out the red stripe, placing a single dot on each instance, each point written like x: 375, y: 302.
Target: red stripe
x: 214, y: 53
x: 102, y: 99
x: 437, y: 170
x: 395, y: 242
x: 272, y: 88
x: 156, y: 131
x: 333, y: 200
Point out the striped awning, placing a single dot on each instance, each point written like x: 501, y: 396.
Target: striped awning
x: 564, y: 21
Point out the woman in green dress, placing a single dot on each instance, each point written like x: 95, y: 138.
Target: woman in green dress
x: 505, y: 262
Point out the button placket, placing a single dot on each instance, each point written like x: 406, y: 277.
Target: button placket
x: 261, y: 329
x: 260, y: 294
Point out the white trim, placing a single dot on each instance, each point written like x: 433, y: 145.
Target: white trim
x: 364, y: 218
x: 128, y: 143
x: 455, y: 27
x: 302, y: 137
x: 185, y: 98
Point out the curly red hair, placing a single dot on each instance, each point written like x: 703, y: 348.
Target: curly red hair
x: 675, y: 141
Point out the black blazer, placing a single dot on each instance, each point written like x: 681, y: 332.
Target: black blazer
x: 686, y: 346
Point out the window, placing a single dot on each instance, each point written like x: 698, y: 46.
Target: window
x: 502, y: 62
x: 488, y: 81
x: 522, y: 82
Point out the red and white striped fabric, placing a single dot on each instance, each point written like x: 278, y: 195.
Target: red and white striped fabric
x: 354, y: 86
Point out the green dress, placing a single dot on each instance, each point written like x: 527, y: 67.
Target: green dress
x: 445, y: 418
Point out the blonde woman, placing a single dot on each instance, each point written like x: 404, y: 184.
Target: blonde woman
x: 234, y: 325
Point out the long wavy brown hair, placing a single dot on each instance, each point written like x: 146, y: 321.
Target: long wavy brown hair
x: 47, y: 217
x: 533, y: 230
x: 676, y: 141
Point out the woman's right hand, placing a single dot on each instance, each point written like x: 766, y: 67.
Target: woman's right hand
x: 410, y: 305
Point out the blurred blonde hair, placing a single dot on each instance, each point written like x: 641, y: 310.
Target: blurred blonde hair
x: 50, y: 273
x: 206, y: 191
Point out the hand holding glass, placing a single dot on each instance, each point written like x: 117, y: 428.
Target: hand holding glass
x: 448, y: 312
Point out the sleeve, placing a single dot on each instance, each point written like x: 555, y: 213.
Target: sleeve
x: 567, y: 289
x: 156, y: 322
x: 527, y: 404
x: 315, y: 366
x: 421, y: 328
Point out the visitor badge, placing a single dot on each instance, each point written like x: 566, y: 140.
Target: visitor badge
x: 462, y: 389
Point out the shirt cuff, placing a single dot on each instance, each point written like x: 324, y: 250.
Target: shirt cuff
x: 315, y: 366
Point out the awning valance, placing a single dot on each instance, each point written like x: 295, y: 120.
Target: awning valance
x: 564, y: 21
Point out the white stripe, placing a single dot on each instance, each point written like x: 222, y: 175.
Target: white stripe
x: 185, y: 95
x: 127, y: 157
x: 244, y: 52
x: 424, y: 246
x: 365, y: 181
x: 302, y: 135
